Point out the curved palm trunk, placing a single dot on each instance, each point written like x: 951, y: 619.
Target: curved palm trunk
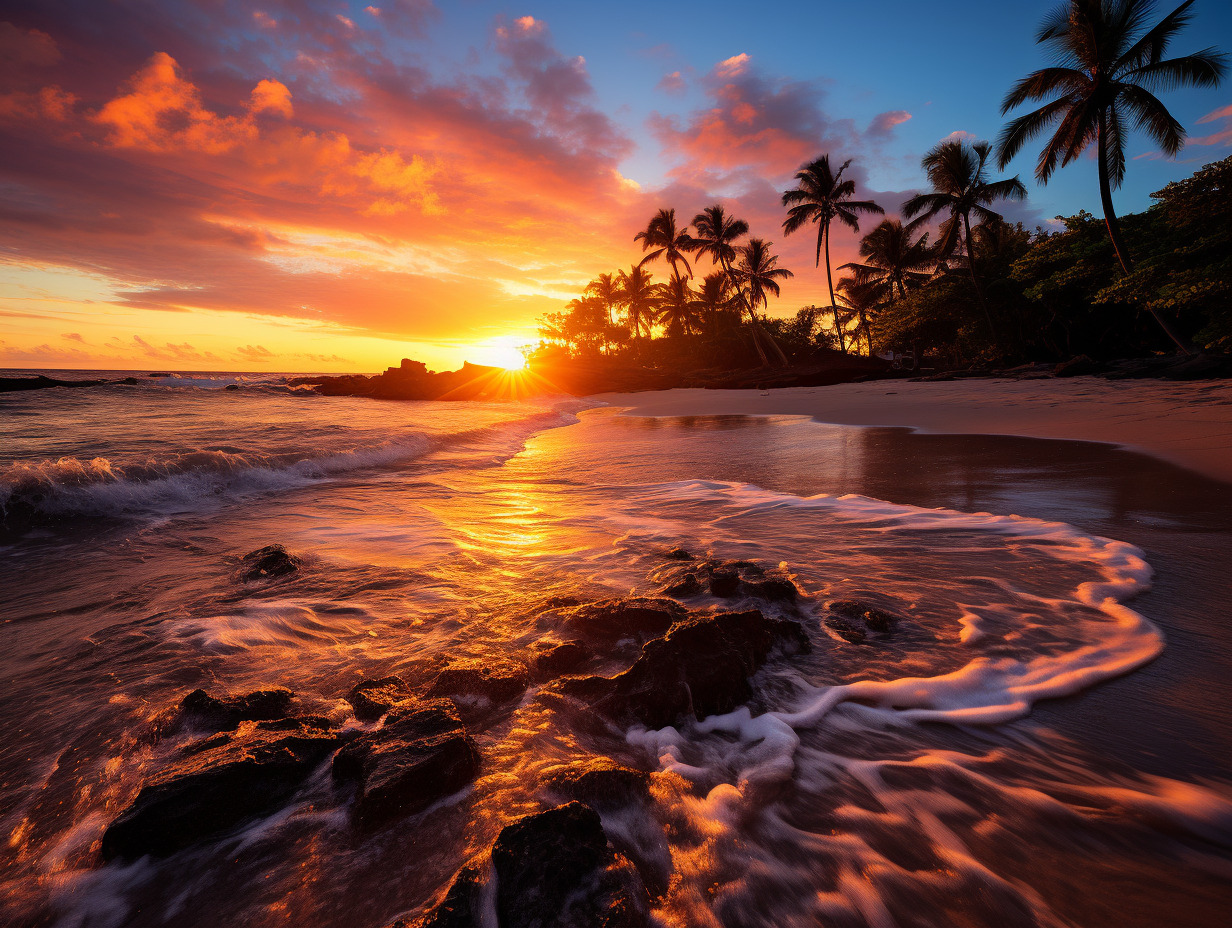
x: 1114, y: 232
x: 979, y: 292
x: 825, y: 236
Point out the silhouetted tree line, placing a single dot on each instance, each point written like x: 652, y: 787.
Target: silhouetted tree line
x: 955, y: 281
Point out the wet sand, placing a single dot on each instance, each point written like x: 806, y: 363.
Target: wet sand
x: 1189, y: 424
x: 1170, y: 718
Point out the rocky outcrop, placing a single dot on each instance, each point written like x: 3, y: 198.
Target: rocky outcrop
x: 266, y: 563
x: 199, y: 711
x: 420, y: 755
x: 604, y: 623
x: 481, y: 687
x: 556, y: 868
x: 600, y: 783
x: 876, y: 619
x: 559, y: 659
x: 727, y: 580
x: 373, y: 698
x: 218, y: 784
x: 701, y: 667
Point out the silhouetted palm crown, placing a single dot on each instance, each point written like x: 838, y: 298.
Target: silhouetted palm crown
x: 1107, y: 65
x: 893, y: 263
x: 636, y: 294
x: 676, y: 311
x: 956, y: 172
x: 716, y: 235
x: 759, y: 272
x: 668, y: 242
x: 822, y: 195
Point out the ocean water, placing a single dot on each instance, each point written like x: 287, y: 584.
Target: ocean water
x: 906, y: 781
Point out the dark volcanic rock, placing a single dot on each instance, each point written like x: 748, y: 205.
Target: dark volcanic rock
x: 608, y: 621
x: 555, y: 869
x: 459, y: 909
x: 600, y: 783
x: 702, y: 666
x: 203, y: 712
x: 678, y: 554
x: 845, y: 629
x: 877, y: 619
x: 724, y: 583
x: 772, y: 589
x: 373, y: 698
x: 481, y: 683
x: 270, y: 561
x: 559, y: 660
x: 688, y: 585
x: 420, y: 755
x: 211, y: 791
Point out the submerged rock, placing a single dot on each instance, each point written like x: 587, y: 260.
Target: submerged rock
x: 556, y: 869
x: 373, y: 698
x: 727, y: 580
x: 688, y: 585
x: 267, y: 562
x: 476, y: 686
x: 877, y: 619
x: 611, y: 620
x: 724, y: 583
x: 845, y: 629
x: 420, y: 755
x: 558, y: 660
x: 701, y: 667
x: 459, y: 909
x: 600, y: 783
x: 202, y: 712
x: 678, y: 554
x: 211, y: 790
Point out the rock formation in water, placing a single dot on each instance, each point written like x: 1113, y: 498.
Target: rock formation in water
x: 420, y: 755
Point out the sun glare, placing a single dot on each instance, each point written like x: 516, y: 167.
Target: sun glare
x: 504, y: 351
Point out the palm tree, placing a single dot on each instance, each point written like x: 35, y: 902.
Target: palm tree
x: 956, y: 171
x: 667, y: 241
x: 716, y: 236
x: 605, y: 289
x: 676, y: 312
x: 714, y: 300
x: 1108, y: 66
x: 820, y: 197
x: 861, y: 299
x: 637, y: 295
x: 893, y: 263
x: 758, y: 272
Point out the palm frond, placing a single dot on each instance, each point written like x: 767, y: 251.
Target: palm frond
x: 1151, y: 116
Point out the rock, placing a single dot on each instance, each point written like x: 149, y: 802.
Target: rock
x: 600, y: 783
x: 202, y: 712
x: 232, y: 386
x: 267, y: 562
x: 480, y: 684
x: 459, y: 909
x: 772, y: 589
x: 211, y: 791
x: 877, y: 619
x: 373, y: 698
x: 1077, y: 367
x: 420, y: 755
x: 724, y: 583
x: 559, y: 660
x: 608, y: 621
x: 688, y: 585
x: 678, y: 554
x: 845, y: 629
x: 701, y: 667
x: 560, y: 602
x: 555, y: 869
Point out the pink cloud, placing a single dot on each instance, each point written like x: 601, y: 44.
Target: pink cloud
x: 883, y: 123
x: 672, y: 83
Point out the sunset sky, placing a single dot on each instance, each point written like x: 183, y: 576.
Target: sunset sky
x: 326, y: 185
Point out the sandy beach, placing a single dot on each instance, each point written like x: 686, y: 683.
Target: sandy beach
x: 1188, y: 424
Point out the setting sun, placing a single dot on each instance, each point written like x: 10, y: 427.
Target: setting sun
x: 503, y: 351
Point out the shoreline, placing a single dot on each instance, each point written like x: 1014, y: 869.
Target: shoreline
x: 1184, y: 423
